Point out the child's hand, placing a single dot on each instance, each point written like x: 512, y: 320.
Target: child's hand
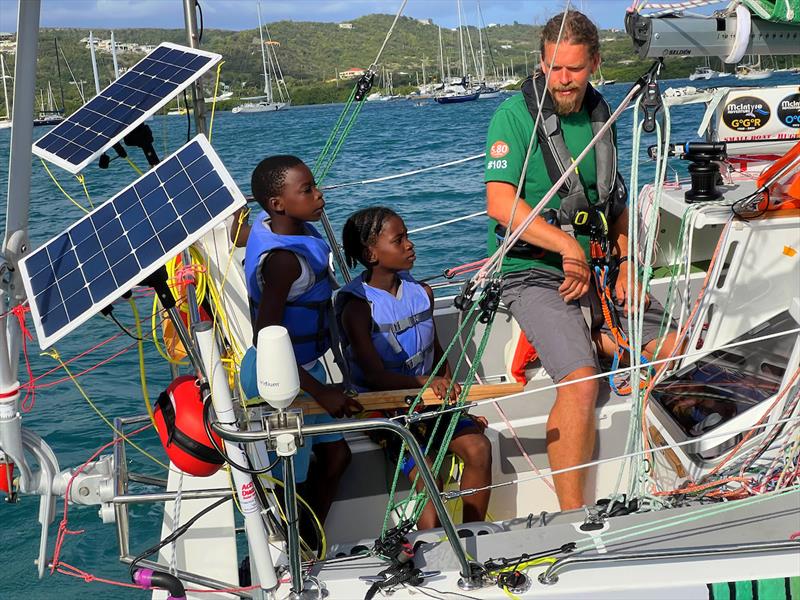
x: 337, y: 403
x: 439, y: 386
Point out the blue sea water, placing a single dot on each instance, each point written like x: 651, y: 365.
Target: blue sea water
x: 388, y: 138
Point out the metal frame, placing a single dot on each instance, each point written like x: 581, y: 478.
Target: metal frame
x: 471, y: 573
x: 550, y: 576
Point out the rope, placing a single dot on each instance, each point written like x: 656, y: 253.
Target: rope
x: 63, y: 191
x: 53, y: 353
x: 214, y: 103
x: 406, y: 174
x: 389, y: 34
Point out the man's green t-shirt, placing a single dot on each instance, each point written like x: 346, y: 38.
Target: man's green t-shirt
x: 506, y: 146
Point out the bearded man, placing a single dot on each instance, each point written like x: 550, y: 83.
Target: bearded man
x: 547, y: 280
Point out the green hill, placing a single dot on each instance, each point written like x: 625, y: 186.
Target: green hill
x: 311, y: 54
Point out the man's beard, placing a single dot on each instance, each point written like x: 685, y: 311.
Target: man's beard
x: 566, y: 106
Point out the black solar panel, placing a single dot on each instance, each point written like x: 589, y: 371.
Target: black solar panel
x: 80, y: 271
x: 127, y: 102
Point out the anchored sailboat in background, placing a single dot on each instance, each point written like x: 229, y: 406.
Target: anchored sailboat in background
x: 704, y: 72
x: 751, y: 72
x: 269, y: 61
x: 460, y: 92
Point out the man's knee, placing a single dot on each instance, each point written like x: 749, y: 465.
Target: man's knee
x: 577, y: 389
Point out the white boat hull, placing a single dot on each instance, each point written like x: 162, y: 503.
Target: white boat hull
x: 259, y: 107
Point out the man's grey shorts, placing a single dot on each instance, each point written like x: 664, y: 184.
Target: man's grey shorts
x: 558, y: 330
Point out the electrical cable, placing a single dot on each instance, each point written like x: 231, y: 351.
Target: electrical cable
x: 188, y: 117
x: 209, y: 433
x: 202, y: 25
x: 123, y: 328
x: 177, y: 533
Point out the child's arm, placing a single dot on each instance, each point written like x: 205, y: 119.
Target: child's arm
x: 357, y: 323
x: 281, y: 269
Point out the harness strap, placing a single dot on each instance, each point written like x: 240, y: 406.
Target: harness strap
x: 180, y: 439
x: 403, y: 324
x: 393, y: 329
x: 412, y: 361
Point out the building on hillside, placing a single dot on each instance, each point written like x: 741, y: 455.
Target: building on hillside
x: 351, y: 73
x: 425, y: 21
x: 345, y: 25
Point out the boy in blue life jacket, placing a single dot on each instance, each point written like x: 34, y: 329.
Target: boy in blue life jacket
x: 390, y: 341
x: 289, y: 283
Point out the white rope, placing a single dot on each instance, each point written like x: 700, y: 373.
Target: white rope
x: 405, y: 174
x: 622, y: 370
x: 495, y: 260
x: 448, y: 222
x: 389, y: 34
x: 495, y: 264
x: 176, y: 519
x: 602, y: 461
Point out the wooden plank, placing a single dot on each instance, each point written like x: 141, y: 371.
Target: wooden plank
x: 392, y: 399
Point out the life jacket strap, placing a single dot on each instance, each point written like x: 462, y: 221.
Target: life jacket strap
x: 403, y: 324
x: 412, y: 361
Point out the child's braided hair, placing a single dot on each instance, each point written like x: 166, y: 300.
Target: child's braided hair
x: 362, y: 230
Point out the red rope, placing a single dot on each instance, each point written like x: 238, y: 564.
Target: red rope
x: 63, y: 531
x: 465, y: 268
x: 67, y: 569
x: 30, y: 392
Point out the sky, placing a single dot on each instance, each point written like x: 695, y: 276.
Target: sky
x: 241, y: 14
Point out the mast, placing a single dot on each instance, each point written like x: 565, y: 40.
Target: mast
x: 193, y: 38
x: 483, y: 61
x: 267, y: 86
x: 5, y: 87
x: 424, y: 80
x: 15, y: 241
x: 279, y: 80
x: 461, y: 41
x: 60, y: 82
x: 94, y: 64
x: 441, y: 54
x: 114, y: 55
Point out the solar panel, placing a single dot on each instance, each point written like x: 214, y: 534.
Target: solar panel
x: 127, y: 102
x: 128, y: 237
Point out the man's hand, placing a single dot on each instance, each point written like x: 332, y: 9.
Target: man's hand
x: 576, y: 272
x: 439, y: 386
x: 337, y: 403
x: 621, y: 289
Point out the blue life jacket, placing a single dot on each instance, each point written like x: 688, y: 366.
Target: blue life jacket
x: 307, y: 318
x: 402, y: 328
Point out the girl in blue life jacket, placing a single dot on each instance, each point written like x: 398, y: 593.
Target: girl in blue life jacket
x: 386, y: 318
x: 289, y: 282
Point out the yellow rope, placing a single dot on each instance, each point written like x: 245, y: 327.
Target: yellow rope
x: 154, y: 334
x: 142, y: 373
x: 53, y: 353
x: 214, y: 103
x: 133, y: 165
x: 82, y: 179
x: 323, y: 539
x: 63, y: 191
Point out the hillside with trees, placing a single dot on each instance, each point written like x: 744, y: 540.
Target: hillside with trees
x: 311, y: 54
